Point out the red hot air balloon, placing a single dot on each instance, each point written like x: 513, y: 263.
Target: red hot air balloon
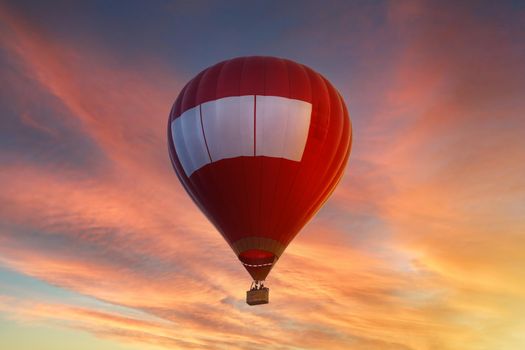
x: 259, y: 143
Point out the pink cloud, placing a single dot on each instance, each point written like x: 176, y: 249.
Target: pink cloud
x: 446, y: 188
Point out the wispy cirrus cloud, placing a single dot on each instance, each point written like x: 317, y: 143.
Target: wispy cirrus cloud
x: 418, y: 249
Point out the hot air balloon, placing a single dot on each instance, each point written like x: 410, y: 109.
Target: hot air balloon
x: 259, y: 144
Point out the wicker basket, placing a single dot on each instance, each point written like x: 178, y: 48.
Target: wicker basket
x: 258, y: 296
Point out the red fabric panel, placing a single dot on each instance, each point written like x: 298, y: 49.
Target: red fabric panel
x: 252, y: 80
x: 256, y: 257
x: 247, y: 76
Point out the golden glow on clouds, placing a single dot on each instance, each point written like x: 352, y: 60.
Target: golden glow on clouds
x: 421, y: 246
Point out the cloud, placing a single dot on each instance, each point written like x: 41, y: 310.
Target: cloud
x: 419, y: 248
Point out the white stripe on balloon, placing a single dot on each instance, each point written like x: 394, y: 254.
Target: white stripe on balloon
x: 238, y: 126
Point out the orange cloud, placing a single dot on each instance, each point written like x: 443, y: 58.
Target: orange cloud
x: 419, y: 248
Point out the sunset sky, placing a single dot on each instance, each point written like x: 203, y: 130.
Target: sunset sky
x: 421, y: 246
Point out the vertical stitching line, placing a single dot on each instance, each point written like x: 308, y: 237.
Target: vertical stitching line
x: 203, y: 134
x: 254, y: 125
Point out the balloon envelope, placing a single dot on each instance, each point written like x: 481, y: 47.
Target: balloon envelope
x: 259, y: 143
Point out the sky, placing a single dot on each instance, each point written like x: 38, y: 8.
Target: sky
x: 421, y: 246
